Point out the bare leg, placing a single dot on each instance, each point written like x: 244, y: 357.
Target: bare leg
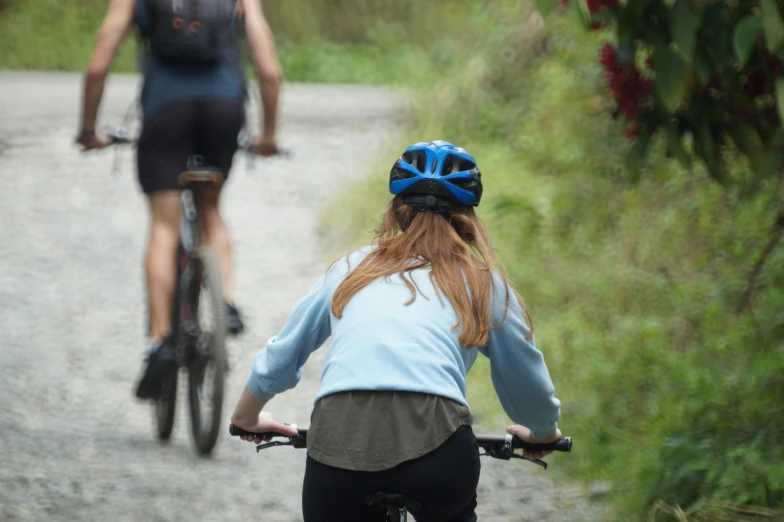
x: 161, y: 264
x: 216, y: 236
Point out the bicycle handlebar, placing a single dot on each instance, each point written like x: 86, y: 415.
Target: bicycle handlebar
x: 117, y: 136
x: 497, y: 446
x: 562, y: 444
x: 300, y: 440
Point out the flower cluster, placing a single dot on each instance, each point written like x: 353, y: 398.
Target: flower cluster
x: 595, y: 6
x: 629, y: 87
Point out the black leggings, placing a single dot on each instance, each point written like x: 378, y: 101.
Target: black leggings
x: 444, y: 481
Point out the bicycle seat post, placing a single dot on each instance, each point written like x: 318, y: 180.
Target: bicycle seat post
x: 399, y: 516
x: 397, y: 506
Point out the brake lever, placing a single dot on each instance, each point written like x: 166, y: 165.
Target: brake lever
x: 529, y: 459
x: 507, y: 453
x: 274, y: 443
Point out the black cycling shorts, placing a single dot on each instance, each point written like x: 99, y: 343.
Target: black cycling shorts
x: 208, y: 128
x: 444, y: 481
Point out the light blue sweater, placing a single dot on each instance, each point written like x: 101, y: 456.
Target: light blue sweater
x: 382, y: 344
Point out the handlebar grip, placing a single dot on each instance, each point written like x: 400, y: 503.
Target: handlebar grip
x: 236, y: 432
x: 283, y: 153
x: 119, y: 140
x: 562, y: 444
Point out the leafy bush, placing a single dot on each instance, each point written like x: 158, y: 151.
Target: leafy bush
x: 702, y: 73
x: 668, y: 368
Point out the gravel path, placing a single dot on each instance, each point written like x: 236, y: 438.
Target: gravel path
x: 74, y: 445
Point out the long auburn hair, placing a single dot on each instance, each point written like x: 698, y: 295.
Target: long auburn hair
x: 461, y: 265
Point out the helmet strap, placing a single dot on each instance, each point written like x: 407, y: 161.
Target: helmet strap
x: 422, y: 203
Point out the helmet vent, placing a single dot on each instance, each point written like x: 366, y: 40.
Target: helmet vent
x: 416, y: 160
x: 448, y: 167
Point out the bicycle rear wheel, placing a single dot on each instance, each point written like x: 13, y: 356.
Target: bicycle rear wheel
x: 208, y: 365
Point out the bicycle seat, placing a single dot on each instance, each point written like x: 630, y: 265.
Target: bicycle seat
x: 393, y: 500
x: 210, y: 175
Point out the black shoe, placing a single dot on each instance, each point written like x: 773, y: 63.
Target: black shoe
x: 159, y: 363
x: 233, y: 320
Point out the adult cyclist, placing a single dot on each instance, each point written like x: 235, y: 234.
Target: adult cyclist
x: 192, y: 103
x: 407, y: 318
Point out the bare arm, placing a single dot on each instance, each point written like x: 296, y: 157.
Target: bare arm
x: 119, y: 17
x: 264, y: 57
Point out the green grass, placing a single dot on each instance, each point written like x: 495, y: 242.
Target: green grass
x: 317, y: 41
x: 54, y: 35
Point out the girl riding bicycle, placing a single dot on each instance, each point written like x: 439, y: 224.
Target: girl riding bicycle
x: 407, y: 318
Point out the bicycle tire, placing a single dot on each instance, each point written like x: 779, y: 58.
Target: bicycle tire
x: 166, y: 405
x: 205, y: 439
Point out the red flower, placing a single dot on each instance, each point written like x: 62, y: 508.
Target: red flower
x: 609, y: 58
x: 756, y: 83
x: 626, y: 82
x: 596, y: 5
x: 632, y: 131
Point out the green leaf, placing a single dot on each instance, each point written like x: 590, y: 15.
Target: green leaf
x: 772, y: 25
x: 780, y: 96
x: 636, y: 153
x: 545, y: 7
x: 684, y: 25
x: 747, y: 31
x: 627, y: 24
x: 577, y: 15
x: 709, y: 151
x: 750, y: 144
x: 719, y: 48
x: 675, y: 143
x: 775, y: 157
x: 670, y: 76
x: 702, y: 67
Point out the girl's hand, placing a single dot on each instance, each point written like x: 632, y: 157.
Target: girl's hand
x: 264, y: 423
x: 524, y: 434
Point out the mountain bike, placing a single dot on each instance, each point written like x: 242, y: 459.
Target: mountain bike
x: 398, y: 506
x: 198, y: 314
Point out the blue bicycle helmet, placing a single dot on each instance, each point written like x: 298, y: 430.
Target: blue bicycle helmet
x: 439, y: 169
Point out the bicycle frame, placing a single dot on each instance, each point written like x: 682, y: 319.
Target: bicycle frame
x: 190, y: 222
x: 190, y: 240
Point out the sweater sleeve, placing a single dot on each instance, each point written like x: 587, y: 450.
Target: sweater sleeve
x: 518, y: 372
x: 278, y: 366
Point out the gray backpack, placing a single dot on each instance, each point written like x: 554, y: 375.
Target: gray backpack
x: 190, y: 31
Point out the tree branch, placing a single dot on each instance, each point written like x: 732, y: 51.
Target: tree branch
x: 748, y: 294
